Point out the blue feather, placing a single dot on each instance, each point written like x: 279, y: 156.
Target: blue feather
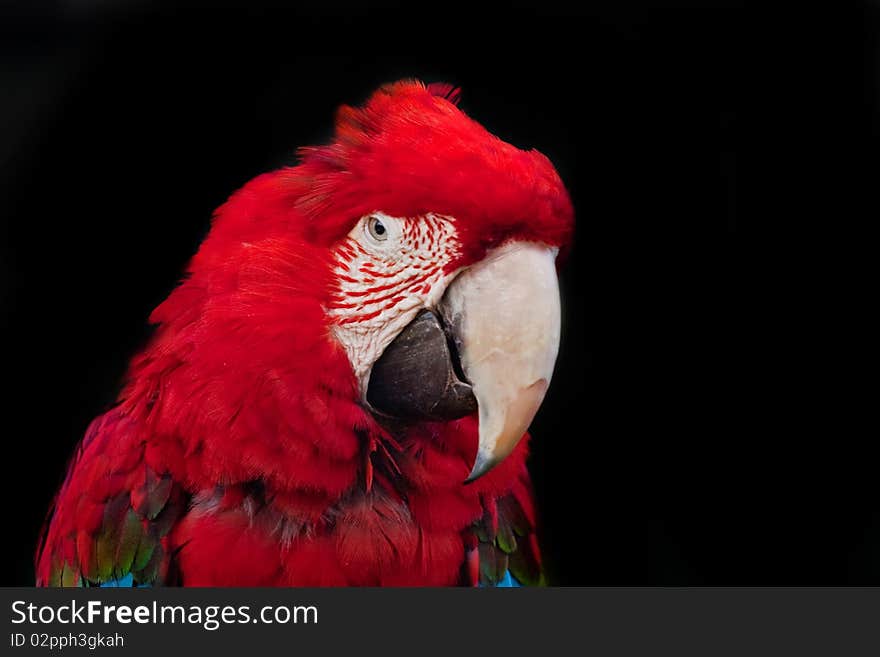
x: 123, y: 582
x: 508, y: 581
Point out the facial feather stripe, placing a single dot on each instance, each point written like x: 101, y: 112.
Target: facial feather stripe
x: 387, y: 270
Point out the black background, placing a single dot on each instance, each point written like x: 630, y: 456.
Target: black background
x: 656, y: 460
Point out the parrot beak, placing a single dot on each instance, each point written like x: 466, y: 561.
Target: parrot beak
x: 505, y: 315
x: 489, y: 346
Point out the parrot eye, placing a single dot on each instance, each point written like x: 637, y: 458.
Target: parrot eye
x: 377, y: 229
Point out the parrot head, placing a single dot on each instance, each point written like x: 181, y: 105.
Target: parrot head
x: 407, y: 269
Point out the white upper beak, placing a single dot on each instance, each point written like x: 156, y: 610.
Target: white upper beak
x: 506, y: 315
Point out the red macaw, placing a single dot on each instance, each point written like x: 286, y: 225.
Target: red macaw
x: 338, y: 391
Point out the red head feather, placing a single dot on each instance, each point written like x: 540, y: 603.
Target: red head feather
x: 407, y: 151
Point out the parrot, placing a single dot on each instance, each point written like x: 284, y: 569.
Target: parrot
x: 339, y: 389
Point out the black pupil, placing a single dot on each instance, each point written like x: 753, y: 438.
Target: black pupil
x: 379, y: 228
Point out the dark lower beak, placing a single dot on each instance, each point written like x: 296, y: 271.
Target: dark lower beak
x: 418, y: 377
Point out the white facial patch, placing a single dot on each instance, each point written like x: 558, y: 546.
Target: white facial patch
x: 388, y: 269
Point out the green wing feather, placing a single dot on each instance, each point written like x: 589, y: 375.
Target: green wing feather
x: 507, y: 539
x: 112, y: 515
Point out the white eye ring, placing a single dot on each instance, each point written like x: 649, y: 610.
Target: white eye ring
x: 377, y: 230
